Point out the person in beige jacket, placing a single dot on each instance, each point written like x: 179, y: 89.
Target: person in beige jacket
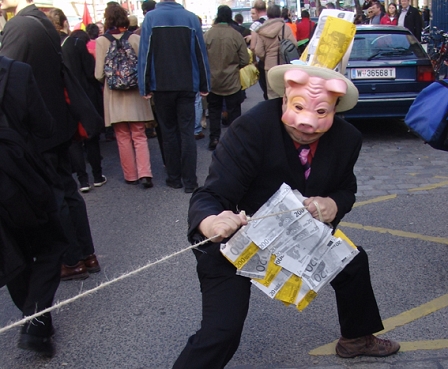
x: 267, y: 41
x: 227, y: 54
x: 125, y: 110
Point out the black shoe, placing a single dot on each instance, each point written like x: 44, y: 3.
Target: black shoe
x: 190, y: 189
x: 173, y: 184
x: 213, y: 143
x: 132, y: 182
x: 150, y: 133
x: 41, y: 345
x: 147, y: 182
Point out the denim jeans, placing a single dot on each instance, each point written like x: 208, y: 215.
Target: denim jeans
x: 198, y: 114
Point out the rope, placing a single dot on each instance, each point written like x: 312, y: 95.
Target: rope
x: 126, y: 275
x: 101, y: 286
x: 316, y: 204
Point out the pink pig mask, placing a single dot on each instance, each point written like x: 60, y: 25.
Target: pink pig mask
x: 309, y: 104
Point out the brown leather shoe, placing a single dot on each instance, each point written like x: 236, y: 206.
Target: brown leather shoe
x: 199, y: 136
x: 92, y: 264
x: 366, y: 346
x: 77, y: 271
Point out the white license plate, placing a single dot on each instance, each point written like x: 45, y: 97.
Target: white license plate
x: 373, y: 73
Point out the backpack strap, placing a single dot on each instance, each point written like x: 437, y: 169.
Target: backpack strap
x: 126, y: 35
x: 283, y: 37
x: 109, y: 37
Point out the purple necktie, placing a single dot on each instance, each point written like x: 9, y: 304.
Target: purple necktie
x: 303, y: 156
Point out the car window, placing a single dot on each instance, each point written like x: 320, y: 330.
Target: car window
x: 383, y: 45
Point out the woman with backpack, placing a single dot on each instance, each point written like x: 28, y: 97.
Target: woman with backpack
x: 124, y: 108
x: 267, y: 43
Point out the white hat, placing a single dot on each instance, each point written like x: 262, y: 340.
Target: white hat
x: 277, y: 82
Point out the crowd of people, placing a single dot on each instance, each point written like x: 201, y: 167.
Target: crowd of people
x: 402, y: 14
x: 171, y: 97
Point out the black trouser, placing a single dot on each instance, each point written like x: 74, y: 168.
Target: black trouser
x: 262, y: 79
x: 225, y: 302
x: 176, y: 116
x: 78, y: 162
x: 33, y: 289
x: 72, y: 208
x: 215, y: 103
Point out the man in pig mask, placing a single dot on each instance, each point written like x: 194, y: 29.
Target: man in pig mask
x: 299, y: 141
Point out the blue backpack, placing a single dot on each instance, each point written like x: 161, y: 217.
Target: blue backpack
x: 428, y: 115
x: 120, y: 63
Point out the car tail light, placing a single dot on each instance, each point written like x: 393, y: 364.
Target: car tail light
x: 425, y: 73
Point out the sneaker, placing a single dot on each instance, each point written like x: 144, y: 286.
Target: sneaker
x: 99, y: 183
x: 366, y: 346
x: 85, y: 187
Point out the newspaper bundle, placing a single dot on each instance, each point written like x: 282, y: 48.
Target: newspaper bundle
x: 287, y: 253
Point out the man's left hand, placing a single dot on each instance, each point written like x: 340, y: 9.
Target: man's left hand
x: 327, y: 206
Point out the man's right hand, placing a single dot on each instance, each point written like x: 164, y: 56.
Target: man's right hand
x: 223, y: 225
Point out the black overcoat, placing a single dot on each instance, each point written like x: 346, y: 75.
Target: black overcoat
x: 256, y: 155
x: 24, y: 39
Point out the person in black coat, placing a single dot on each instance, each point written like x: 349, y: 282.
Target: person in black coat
x: 31, y: 38
x: 259, y: 153
x: 82, y: 65
x: 31, y: 256
x: 410, y: 18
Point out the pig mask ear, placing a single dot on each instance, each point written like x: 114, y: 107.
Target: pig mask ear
x: 296, y: 76
x: 336, y: 86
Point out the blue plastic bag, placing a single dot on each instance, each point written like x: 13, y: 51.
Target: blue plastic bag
x: 428, y: 115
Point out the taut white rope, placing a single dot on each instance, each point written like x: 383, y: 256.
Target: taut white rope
x: 101, y: 286
x: 126, y: 275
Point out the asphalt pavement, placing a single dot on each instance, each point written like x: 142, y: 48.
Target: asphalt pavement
x: 144, y: 318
